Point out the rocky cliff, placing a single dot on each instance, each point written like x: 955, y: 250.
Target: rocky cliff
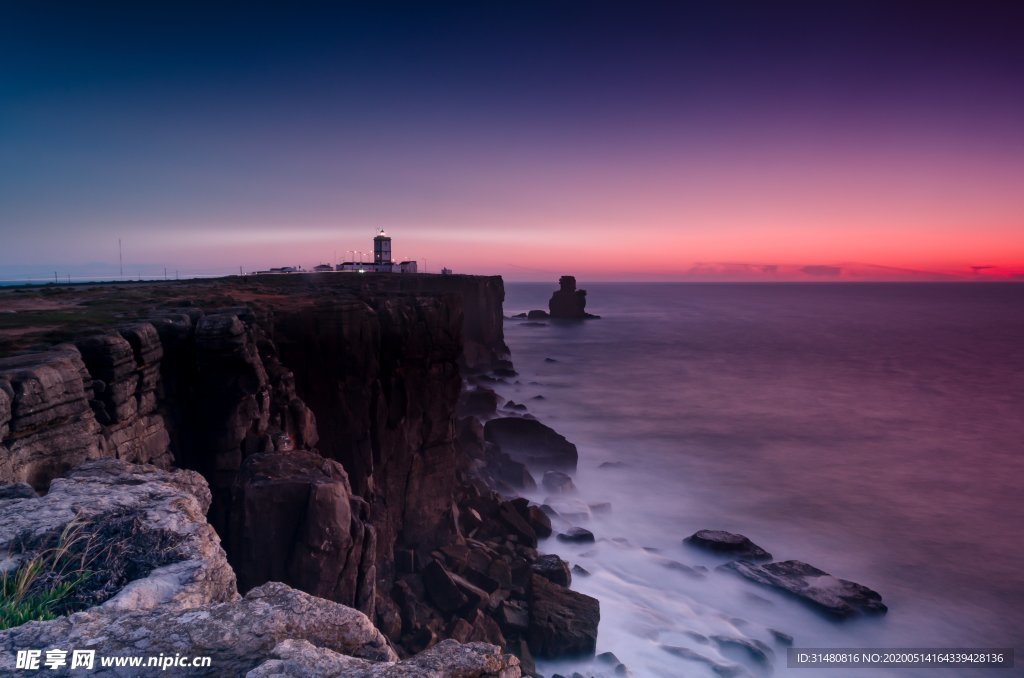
x: 321, y: 410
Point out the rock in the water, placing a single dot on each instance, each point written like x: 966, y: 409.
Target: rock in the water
x: 563, y: 623
x: 553, y: 568
x: 237, y: 636
x: 558, y: 482
x: 577, y: 535
x: 580, y: 571
x: 697, y: 571
x: 837, y: 597
x: 567, y: 301
x: 537, y: 314
x: 531, y: 442
x: 728, y: 543
x: 718, y: 668
x: 301, y: 659
x: 752, y: 649
x: 569, y: 509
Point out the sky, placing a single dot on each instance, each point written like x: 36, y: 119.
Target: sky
x: 614, y: 141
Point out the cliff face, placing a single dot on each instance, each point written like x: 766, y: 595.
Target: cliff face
x: 321, y: 410
x: 365, y: 373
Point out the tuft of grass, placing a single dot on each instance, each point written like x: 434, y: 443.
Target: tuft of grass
x: 39, y: 587
x: 84, y: 566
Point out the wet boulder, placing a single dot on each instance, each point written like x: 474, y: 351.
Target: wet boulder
x: 553, y: 568
x: 727, y: 543
x: 576, y: 535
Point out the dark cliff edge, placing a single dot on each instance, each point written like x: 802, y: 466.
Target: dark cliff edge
x: 337, y: 420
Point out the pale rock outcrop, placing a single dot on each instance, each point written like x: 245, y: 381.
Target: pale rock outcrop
x: 171, y: 503
x: 447, y: 659
x: 237, y: 635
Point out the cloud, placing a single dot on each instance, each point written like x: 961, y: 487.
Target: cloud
x: 830, y: 271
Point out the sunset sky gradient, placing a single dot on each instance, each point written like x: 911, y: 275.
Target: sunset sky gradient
x: 615, y: 141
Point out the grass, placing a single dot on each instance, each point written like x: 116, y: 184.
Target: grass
x: 38, y: 588
x: 83, y: 566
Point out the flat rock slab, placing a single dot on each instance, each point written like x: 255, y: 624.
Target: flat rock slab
x: 727, y: 543
x: 563, y: 623
x: 237, y: 636
x: 300, y: 659
x: 839, y: 598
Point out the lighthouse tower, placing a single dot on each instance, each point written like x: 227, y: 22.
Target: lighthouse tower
x: 382, y: 249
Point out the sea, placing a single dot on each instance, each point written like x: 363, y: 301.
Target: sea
x: 875, y: 431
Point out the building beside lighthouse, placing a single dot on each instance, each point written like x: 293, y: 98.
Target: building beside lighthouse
x: 382, y: 259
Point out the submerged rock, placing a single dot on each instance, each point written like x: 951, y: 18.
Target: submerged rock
x: 837, y: 597
x: 570, y: 509
x: 728, y: 543
x: 719, y: 668
x: 558, y: 482
x: 695, y: 571
x: 752, y: 649
x: 577, y: 535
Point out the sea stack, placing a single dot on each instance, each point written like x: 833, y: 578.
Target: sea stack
x: 567, y: 301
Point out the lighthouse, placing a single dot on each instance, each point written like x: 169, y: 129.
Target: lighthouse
x: 382, y: 261
x: 382, y: 249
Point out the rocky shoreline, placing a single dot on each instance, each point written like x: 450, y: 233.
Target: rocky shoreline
x: 337, y: 440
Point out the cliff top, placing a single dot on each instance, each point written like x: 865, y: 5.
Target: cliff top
x: 36, y: 317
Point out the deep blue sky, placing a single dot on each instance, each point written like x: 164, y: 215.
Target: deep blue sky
x: 512, y: 137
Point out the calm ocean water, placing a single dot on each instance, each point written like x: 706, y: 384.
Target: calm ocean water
x: 875, y: 431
